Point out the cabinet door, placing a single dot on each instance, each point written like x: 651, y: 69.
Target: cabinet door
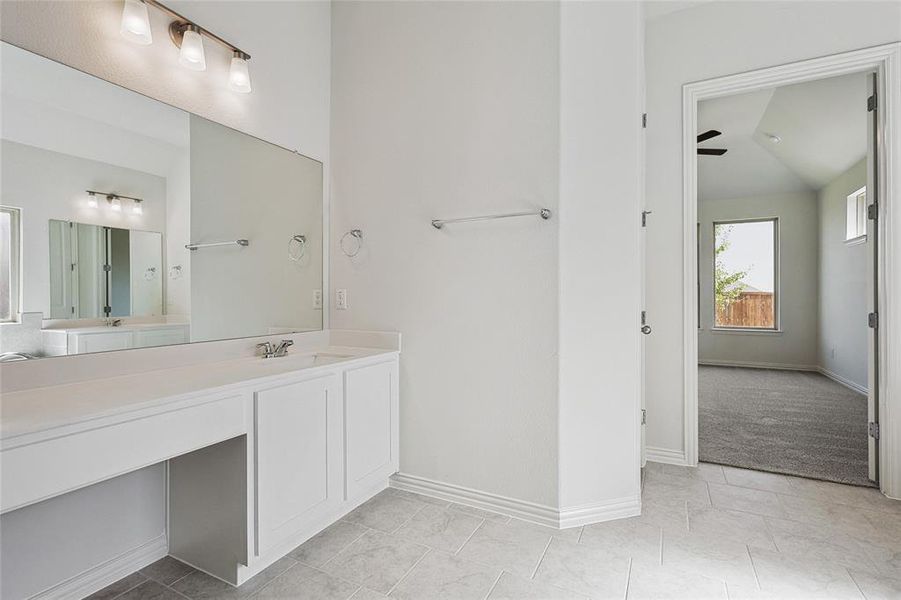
x: 370, y: 421
x: 298, y: 450
x: 101, y: 342
x: 164, y: 336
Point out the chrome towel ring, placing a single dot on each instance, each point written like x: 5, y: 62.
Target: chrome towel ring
x: 353, y: 234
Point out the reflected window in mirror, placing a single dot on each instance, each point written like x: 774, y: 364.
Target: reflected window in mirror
x: 10, y: 263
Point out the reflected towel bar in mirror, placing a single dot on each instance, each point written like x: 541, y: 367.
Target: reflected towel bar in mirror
x: 544, y: 213
x: 196, y: 245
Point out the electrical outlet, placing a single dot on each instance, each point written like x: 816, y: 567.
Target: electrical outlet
x: 317, y: 299
x: 341, y: 299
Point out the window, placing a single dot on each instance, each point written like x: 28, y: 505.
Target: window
x: 856, y: 220
x: 745, y: 274
x: 9, y: 264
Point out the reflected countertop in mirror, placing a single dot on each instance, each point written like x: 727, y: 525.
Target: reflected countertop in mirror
x: 104, y: 190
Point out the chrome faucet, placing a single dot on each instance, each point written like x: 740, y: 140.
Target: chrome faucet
x: 275, y: 351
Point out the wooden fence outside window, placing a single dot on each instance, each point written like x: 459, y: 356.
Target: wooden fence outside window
x: 750, y: 309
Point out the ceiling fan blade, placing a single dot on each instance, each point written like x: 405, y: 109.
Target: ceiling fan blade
x: 708, y: 134
x: 712, y: 151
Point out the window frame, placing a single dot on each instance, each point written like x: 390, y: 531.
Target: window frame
x: 15, y: 264
x: 860, y: 212
x: 777, y: 283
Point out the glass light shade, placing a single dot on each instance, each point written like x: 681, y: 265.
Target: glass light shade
x: 115, y: 204
x: 191, y: 55
x: 239, y: 75
x: 92, y: 201
x: 136, y: 23
x: 137, y: 208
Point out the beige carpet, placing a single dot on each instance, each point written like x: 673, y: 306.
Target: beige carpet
x: 792, y: 422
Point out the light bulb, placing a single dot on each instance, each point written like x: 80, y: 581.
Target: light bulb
x: 136, y: 22
x: 191, y: 55
x: 239, y: 74
x: 92, y: 200
x: 115, y: 204
x: 137, y: 208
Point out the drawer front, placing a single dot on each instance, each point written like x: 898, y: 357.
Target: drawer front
x: 44, y: 469
x: 81, y: 343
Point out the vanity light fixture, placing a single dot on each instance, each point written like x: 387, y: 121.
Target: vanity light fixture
x: 188, y: 36
x: 239, y: 73
x: 191, y: 54
x: 115, y: 201
x: 135, y: 25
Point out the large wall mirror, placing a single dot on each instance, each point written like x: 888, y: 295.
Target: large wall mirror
x: 127, y: 223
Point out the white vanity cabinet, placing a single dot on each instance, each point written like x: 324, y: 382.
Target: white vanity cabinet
x: 370, y: 424
x: 83, y: 340
x: 298, y: 452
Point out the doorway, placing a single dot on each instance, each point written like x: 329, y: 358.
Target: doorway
x: 761, y: 311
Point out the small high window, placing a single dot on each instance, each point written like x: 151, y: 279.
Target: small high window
x: 856, y: 220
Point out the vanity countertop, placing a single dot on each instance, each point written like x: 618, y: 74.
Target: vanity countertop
x: 114, y: 329
x: 74, y: 406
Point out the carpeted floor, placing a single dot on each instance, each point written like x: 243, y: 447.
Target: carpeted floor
x: 792, y: 422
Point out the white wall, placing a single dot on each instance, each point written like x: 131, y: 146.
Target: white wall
x: 49, y: 185
x: 796, y: 344
x: 600, y: 275
x: 842, y: 343
x: 289, y: 43
x: 706, y: 41
x: 449, y: 110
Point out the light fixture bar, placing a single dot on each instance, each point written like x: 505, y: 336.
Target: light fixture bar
x: 112, y: 195
x: 182, y: 20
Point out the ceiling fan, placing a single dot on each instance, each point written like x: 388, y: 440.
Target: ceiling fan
x: 710, y: 151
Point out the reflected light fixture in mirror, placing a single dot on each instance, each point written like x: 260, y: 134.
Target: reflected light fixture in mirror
x: 137, y: 208
x: 239, y: 73
x: 191, y: 54
x: 135, y: 25
x: 114, y: 203
x: 92, y: 200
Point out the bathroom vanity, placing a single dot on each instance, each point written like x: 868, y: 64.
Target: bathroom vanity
x: 262, y: 453
x: 79, y: 340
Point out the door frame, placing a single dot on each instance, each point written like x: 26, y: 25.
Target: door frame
x: 885, y: 61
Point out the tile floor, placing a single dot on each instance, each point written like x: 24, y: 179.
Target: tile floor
x: 710, y: 532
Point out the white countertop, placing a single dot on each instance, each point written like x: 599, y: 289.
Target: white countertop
x: 110, y: 329
x: 37, y: 410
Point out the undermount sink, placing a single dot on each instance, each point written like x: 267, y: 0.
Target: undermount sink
x: 307, y: 360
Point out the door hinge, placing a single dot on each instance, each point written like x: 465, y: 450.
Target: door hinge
x: 873, y: 320
x: 107, y: 268
x: 644, y: 317
x: 644, y: 217
x: 871, y: 103
x: 873, y: 430
x: 72, y: 267
x: 73, y: 310
x: 872, y: 211
x: 644, y: 120
x: 644, y: 416
x: 107, y: 310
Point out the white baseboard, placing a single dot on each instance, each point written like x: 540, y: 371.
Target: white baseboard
x: 520, y: 509
x: 97, y: 578
x: 596, y: 513
x: 757, y: 365
x: 664, y: 455
x: 845, y: 382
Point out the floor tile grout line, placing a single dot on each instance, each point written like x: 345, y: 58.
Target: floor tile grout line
x: 541, y: 559
x: 753, y: 567
x: 581, y: 533
x: 361, y: 536
x: 469, y: 537
x: 410, y: 570
x: 170, y: 584
x: 146, y: 579
x: 493, y: 585
x: 628, y: 580
x: 857, y: 585
x: 416, y: 512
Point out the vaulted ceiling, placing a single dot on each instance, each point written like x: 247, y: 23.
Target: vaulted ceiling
x: 822, y: 131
